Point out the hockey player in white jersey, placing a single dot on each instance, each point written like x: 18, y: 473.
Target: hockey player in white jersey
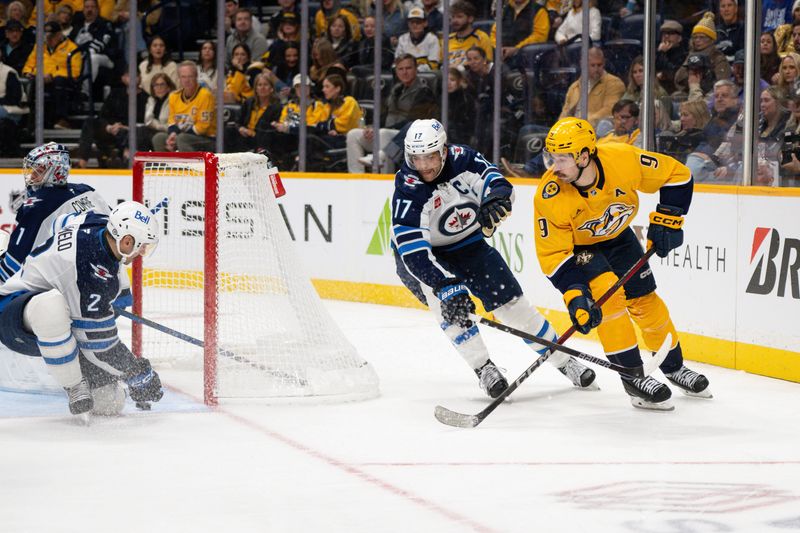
x: 447, y: 200
x: 48, y: 196
x: 58, y: 305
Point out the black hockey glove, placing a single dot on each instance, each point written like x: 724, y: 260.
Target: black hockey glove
x: 665, y: 233
x: 144, y: 385
x: 492, y: 212
x: 582, y: 311
x: 455, y: 301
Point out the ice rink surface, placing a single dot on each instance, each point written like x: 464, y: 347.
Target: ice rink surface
x: 554, y: 459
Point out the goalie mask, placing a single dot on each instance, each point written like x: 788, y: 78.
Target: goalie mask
x: 423, y: 138
x: 46, y: 166
x: 134, y: 219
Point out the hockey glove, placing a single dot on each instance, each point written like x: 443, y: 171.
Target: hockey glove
x: 492, y: 212
x: 144, y: 385
x: 455, y: 301
x: 582, y: 311
x: 665, y: 233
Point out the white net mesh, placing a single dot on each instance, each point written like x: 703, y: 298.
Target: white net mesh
x: 275, y: 337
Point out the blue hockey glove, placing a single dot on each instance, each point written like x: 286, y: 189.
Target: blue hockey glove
x: 582, y: 311
x: 665, y: 233
x: 144, y: 385
x: 492, y: 212
x: 455, y: 301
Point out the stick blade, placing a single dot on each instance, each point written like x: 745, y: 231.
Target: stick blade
x: 652, y: 363
x: 457, y: 420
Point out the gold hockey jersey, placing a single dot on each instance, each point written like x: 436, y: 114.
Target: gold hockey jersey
x: 199, y: 111
x: 566, y: 216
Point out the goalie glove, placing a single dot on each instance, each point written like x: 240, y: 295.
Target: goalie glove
x: 144, y: 385
x: 4, y: 237
x: 584, y: 314
x: 492, y: 212
x: 455, y: 302
x: 665, y: 233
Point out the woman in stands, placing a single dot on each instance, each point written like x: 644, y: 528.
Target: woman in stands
x: 633, y: 91
x: 290, y: 67
x: 341, y: 39
x: 788, y: 80
x: 365, y: 53
x: 770, y: 60
x: 461, y: 109
x: 237, y: 83
x: 343, y: 112
x: 156, y: 111
x: 207, y: 66
x: 158, y: 60
x: 325, y: 61
x: 255, y: 122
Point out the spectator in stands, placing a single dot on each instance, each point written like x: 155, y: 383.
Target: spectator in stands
x: 633, y: 91
x: 51, y: 7
x: 461, y: 109
x: 524, y: 22
x: 17, y: 12
x: 330, y: 9
x: 419, y: 42
x: 366, y: 47
x: 725, y: 110
x: 237, y: 82
x: 109, y: 130
x: 773, y: 117
x: 788, y: 79
x: 342, y: 111
x: 290, y: 67
x: 670, y: 54
x: 465, y: 36
x: 64, y: 16
x: 703, y: 36
x: 286, y: 6
x: 245, y: 34
x: 59, y: 78
x: 699, y: 77
x: 324, y: 61
x: 231, y: 8
x: 93, y: 33
x: 571, y: 28
x: 737, y: 76
x: 408, y: 100
x: 15, y: 48
x: 11, y: 110
x: 283, y: 144
x: 338, y: 33
x: 120, y: 16
x: 192, y: 116
x: 156, y: 110
x: 207, y: 66
x: 433, y: 16
x: 605, y: 90
x: 693, y: 118
x: 730, y: 30
x: 158, y: 60
x: 289, y: 34
x: 624, y: 126
x: 394, y: 21
x: 790, y: 164
x: 258, y: 114
x: 770, y: 60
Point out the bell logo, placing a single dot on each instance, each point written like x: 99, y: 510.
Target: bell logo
x: 776, y: 261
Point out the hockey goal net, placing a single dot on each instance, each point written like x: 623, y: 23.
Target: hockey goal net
x: 226, y: 272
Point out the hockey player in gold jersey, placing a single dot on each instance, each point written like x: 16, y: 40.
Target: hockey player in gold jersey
x: 582, y: 210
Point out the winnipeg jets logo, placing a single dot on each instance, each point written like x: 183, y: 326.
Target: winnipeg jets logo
x: 411, y: 181
x: 614, y: 219
x: 101, y: 272
x: 29, y: 202
x: 457, y: 220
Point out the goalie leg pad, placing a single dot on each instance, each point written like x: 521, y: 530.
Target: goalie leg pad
x: 521, y: 314
x: 47, y: 316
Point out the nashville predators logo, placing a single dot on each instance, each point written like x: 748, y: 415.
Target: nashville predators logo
x: 613, y: 220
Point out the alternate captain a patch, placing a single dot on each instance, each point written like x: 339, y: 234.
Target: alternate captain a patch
x: 550, y: 190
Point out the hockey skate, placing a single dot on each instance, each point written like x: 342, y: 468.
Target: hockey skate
x: 648, y: 393
x: 690, y: 382
x: 492, y: 381
x: 580, y: 375
x: 80, y: 398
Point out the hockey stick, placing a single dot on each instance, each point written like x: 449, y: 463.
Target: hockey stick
x: 197, y: 342
x: 629, y: 371
x: 460, y: 420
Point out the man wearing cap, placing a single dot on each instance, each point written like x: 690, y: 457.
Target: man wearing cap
x: 288, y: 32
x: 703, y: 36
x: 15, y: 48
x: 59, y: 81
x: 419, y: 42
x: 699, y: 78
x: 670, y: 54
x: 282, y: 143
x: 287, y: 6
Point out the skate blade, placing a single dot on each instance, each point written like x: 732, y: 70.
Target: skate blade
x: 703, y: 395
x: 83, y: 419
x: 593, y: 386
x: 639, y: 403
